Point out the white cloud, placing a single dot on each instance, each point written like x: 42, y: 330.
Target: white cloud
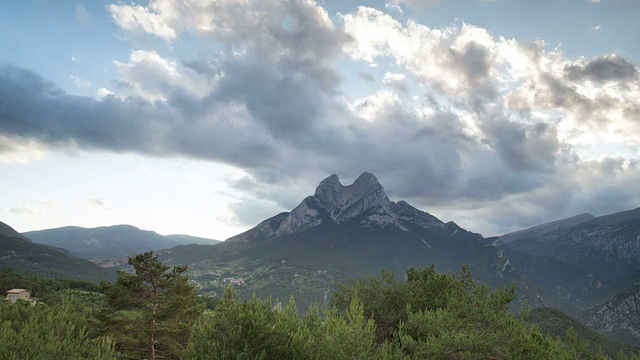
x: 136, y: 18
x: 394, y: 6
x: 82, y: 15
x: 17, y: 150
x: 397, y: 81
x: 152, y: 77
x: 458, y: 60
x: 24, y: 210
x: 595, y: 28
x: 80, y: 82
x: 103, y: 92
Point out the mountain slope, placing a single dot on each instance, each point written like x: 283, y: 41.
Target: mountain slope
x: 545, y: 229
x: 618, y: 317
x: 341, y: 232
x: 182, y: 239
x: 26, y: 257
x: 609, y: 245
x: 107, y: 242
x: 573, y: 284
x: 7, y: 230
x: 555, y: 323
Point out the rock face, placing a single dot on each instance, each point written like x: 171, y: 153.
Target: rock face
x: 618, y: 318
x: 345, y: 202
x: 364, y: 201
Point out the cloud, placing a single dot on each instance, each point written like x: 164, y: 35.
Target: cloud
x: 458, y: 61
x: 595, y: 28
x: 394, y: 6
x: 100, y: 203
x: 595, y: 1
x: 396, y: 81
x: 499, y: 128
x: 20, y: 150
x: 80, y: 82
x: 152, y: 77
x: 136, y: 18
x: 24, y: 210
x: 366, y: 76
x: 82, y: 14
x: 601, y: 69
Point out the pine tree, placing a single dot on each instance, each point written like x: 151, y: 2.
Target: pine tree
x: 149, y: 313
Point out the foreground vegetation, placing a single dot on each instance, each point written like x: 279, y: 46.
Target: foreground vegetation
x: 154, y: 313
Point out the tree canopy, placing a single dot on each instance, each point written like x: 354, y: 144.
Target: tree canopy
x: 149, y: 312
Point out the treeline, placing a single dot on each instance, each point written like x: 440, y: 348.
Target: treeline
x: 155, y: 313
x: 47, y: 290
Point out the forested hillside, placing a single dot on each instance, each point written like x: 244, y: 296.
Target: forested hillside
x: 154, y: 313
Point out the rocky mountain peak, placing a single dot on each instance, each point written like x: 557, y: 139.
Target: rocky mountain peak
x: 329, y: 185
x: 339, y: 204
x: 364, y: 202
x: 344, y: 202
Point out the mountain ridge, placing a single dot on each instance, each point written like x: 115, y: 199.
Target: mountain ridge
x: 546, y: 228
x: 106, y: 242
x: 24, y: 256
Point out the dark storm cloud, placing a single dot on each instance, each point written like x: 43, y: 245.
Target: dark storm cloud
x: 523, y: 147
x: 279, y: 126
x: 287, y: 99
x: 474, y: 62
x: 601, y: 69
x: 31, y: 107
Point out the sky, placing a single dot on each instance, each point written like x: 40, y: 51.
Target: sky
x: 205, y: 117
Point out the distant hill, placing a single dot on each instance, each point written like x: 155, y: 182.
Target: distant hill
x: 23, y: 256
x: 188, y: 239
x: 555, y: 323
x: 109, y: 242
x: 7, y: 230
x: 618, y: 317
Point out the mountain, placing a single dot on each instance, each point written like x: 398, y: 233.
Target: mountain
x: 607, y: 246
x: 618, y: 317
x: 555, y: 323
x: 342, y: 232
x: 107, y: 242
x: 188, y: 239
x: 577, y: 287
x: 545, y: 229
x: 26, y: 257
x: 6, y: 230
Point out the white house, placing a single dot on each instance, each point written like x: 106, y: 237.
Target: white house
x: 14, y: 295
